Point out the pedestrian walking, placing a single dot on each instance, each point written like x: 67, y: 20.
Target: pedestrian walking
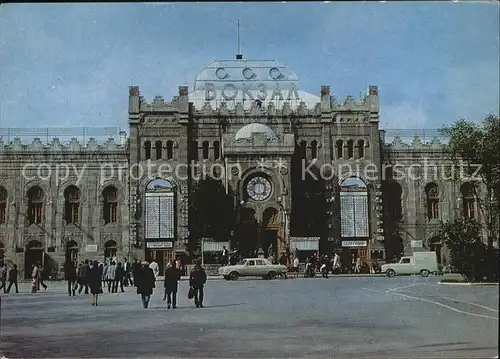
x: 94, y: 281
x: 37, y: 276
x: 197, y: 280
x: 155, y: 267
x: 83, y: 271
x: 119, y: 277
x: 171, y: 284
x: 3, y: 277
x: 135, y: 267
x: 295, y: 267
x: 13, y: 273
x: 110, y: 277
x: 145, y: 282
x: 126, y: 269
x: 70, y: 274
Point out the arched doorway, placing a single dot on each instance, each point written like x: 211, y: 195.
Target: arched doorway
x: 247, y: 241
x: 436, y: 245
x: 34, y: 254
x: 2, y: 254
x: 72, y: 250
x: 110, y: 250
x: 271, y: 224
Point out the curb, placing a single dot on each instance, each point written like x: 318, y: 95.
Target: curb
x: 470, y: 284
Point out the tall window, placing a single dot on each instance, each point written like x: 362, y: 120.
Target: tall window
x: 3, y: 205
x: 110, y: 208
x: 158, y: 148
x: 147, y: 150
x: 206, y: 149
x: 35, y: 205
x: 432, y: 193
x: 170, y: 150
x: 71, y: 204
x: 216, y: 150
x: 194, y: 150
x: 350, y: 149
x: 340, y: 149
x: 303, y: 149
x: 468, y: 200
x: 361, y: 148
x: 314, y: 149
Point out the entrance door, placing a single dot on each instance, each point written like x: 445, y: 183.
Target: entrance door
x: 34, y: 255
x: 72, y: 252
x: 162, y: 257
x: 109, y: 251
x: 270, y: 242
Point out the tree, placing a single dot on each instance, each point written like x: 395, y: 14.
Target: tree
x: 468, y: 251
x: 476, y: 148
x: 212, y: 212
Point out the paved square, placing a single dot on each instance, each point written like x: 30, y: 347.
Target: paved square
x: 337, y: 317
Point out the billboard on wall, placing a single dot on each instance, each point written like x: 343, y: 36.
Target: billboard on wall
x: 354, y: 215
x: 160, y: 216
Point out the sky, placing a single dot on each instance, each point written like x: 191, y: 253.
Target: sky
x: 65, y: 65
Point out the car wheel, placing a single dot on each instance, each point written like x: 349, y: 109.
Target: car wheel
x: 265, y: 277
x: 271, y: 275
x: 226, y: 277
x: 390, y: 273
x: 233, y: 275
x: 424, y: 272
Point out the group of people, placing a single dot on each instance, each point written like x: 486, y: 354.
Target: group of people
x: 8, y: 275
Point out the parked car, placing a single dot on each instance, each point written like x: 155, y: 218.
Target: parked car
x: 252, y: 267
x: 422, y: 263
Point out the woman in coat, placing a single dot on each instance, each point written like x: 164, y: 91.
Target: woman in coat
x: 145, y: 283
x: 171, y: 284
x: 94, y: 282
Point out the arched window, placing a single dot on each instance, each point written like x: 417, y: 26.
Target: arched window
x: 35, y: 205
x: 216, y: 150
x: 350, y: 149
x: 71, y: 204
x: 170, y: 150
x: 110, y: 207
x: 194, y: 150
x: 3, y: 205
x: 314, y: 149
x: 303, y: 149
x: 361, y: 148
x: 432, y: 193
x: 147, y: 150
x: 354, y: 210
x: 468, y: 200
x: 340, y: 149
x: 392, y: 201
x: 206, y: 148
x: 158, y: 148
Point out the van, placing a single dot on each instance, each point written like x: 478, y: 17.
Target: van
x: 422, y: 263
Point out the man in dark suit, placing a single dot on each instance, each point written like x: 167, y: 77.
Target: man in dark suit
x: 70, y: 274
x: 13, y: 278
x: 171, y: 284
x: 197, y: 280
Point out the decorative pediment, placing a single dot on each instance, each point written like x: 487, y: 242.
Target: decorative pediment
x: 74, y: 145
x: 317, y: 109
x: 223, y: 110
x: 56, y: 145
x: 36, y: 145
x: 302, y: 109
x: 239, y: 111
x: 398, y: 143
x: 17, y: 144
x: 286, y: 110
x: 92, y: 145
x: 416, y: 143
x: 271, y: 109
x: 207, y: 109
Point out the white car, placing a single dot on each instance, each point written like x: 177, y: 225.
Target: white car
x: 252, y: 267
x: 422, y: 263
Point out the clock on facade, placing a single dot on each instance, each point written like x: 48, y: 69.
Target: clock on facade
x: 259, y: 188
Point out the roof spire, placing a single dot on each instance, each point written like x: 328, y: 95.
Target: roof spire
x: 239, y: 56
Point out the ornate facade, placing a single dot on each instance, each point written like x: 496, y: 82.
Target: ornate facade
x: 306, y: 171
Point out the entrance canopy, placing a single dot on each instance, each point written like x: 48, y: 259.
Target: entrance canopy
x: 248, y: 82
